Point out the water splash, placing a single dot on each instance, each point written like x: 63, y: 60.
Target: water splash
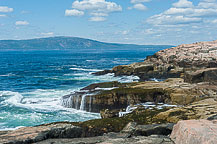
x: 83, y: 100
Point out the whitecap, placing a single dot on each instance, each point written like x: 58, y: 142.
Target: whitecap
x: 82, y: 69
x: 7, y: 75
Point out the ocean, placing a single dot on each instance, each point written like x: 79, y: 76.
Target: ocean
x: 32, y: 83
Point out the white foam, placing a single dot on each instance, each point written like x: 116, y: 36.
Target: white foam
x: 7, y: 75
x: 9, y: 129
x: 147, y: 105
x: 13, y: 97
x: 82, y: 69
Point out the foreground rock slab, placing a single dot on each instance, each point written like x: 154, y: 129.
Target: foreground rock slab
x: 28, y: 135
x: 195, y: 132
x: 154, y: 139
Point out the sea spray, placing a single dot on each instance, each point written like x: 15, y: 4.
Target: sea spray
x: 83, y: 100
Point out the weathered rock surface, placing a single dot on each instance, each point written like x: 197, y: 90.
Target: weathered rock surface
x: 155, y: 139
x: 203, y: 109
x: 195, y: 132
x: 28, y: 135
x: 202, y: 75
x: 172, y: 62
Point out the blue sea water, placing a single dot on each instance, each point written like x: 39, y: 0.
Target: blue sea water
x: 33, y: 82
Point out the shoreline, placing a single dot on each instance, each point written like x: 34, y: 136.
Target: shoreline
x: 190, y: 81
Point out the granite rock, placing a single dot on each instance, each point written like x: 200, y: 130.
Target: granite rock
x: 195, y: 132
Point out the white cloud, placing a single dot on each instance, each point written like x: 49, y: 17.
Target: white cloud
x: 6, y: 9
x: 139, y: 1
x: 97, y: 6
x: 22, y: 23
x: 47, y: 34
x: 125, y: 32
x: 214, y: 21
x: 99, y: 14
x: 140, y: 7
x: 97, y: 9
x: 3, y: 15
x: 162, y: 19
x: 184, y: 12
x: 183, y: 4
x: 74, y: 12
x: 97, y: 19
x: 138, y: 4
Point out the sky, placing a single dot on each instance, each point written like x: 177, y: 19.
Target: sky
x: 171, y: 22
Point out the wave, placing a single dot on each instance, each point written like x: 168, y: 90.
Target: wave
x: 7, y: 75
x: 82, y: 69
x: 9, y: 129
x: 13, y: 97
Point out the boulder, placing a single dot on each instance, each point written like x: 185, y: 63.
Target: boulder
x: 195, y: 132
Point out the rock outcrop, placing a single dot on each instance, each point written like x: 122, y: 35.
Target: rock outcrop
x: 172, y: 62
x: 195, y: 132
x: 171, y: 91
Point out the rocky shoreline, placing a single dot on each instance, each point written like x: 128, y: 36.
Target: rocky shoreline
x: 144, y: 111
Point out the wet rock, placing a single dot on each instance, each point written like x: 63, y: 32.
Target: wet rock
x: 102, y: 72
x: 195, y: 132
x: 39, y: 133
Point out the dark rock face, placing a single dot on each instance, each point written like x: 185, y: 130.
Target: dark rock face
x: 203, y: 75
x: 157, y: 129
x: 214, y: 117
x: 146, y: 130
x: 102, y: 72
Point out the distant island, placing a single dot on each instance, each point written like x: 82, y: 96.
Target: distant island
x: 70, y: 43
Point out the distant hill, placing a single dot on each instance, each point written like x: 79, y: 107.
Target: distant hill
x: 69, y: 43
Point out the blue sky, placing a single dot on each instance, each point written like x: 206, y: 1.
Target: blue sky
x: 121, y: 21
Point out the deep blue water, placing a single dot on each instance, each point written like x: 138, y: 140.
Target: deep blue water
x: 33, y: 82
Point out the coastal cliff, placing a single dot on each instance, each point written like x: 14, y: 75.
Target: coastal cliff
x: 144, y: 111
